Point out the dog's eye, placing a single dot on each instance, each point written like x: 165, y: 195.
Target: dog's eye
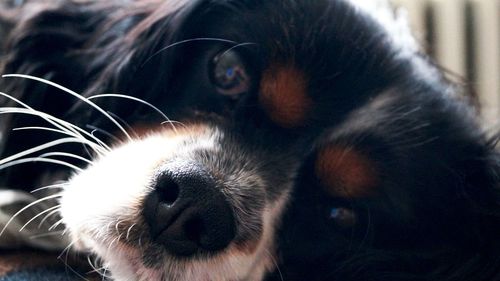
x: 343, y: 217
x: 229, y: 74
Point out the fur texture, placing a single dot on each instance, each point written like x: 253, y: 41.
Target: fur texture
x: 339, y: 152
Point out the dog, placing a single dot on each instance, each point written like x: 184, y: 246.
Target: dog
x: 249, y: 140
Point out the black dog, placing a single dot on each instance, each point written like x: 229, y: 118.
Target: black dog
x: 312, y: 141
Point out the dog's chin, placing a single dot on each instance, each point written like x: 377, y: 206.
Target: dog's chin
x: 102, y: 209
x: 123, y: 262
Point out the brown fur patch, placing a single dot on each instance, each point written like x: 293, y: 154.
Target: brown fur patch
x: 283, y: 94
x: 345, y: 172
x: 141, y: 131
x: 248, y: 247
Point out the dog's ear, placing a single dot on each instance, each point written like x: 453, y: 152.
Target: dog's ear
x: 69, y: 44
x: 40, y: 44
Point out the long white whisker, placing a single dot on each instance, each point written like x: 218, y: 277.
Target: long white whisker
x: 172, y: 124
x: 80, y: 97
x: 236, y: 46
x: 65, y: 154
x: 38, y: 215
x: 54, y: 123
x: 40, y: 159
x: 108, y: 134
x: 65, y: 261
x: 123, y: 122
x: 134, y: 99
x: 101, y: 270
x: 48, y: 216
x: 77, y: 135
x: 64, y: 126
x: 55, y: 225
x: 43, y: 129
x: 58, y: 185
x: 186, y: 41
x: 100, y: 147
x: 41, y: 147
x: 25, y: 208
x: 67, y: 248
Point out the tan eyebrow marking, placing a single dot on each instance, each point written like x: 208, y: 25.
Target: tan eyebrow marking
x: 345, y: 172
x: 283, y: 94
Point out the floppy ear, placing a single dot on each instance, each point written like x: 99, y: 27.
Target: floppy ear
x: 88, y: 48
x: 40, y: 44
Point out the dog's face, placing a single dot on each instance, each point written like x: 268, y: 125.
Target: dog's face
x: 311, y: 141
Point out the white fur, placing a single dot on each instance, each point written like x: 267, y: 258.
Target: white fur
x: 110, y: 191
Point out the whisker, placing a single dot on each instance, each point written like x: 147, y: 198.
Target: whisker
x: 106, y: 133
x: 137, y: 100
x: 67, y: 248
x: 275, y: 264
x: 40, y: 159
x: 101, y: 270
x: 58, y: 123
x: 58, y: 185
x: 37, y: 216
x: 47, y: 217
x: 65, y: 261
x: 65, y: 154
x: 98, y: 146
x: 237, y: 46
x: 42, y: 129
x: 123, y: 122
x: 25, y: 106
x: 98, y: 141
x: 172, y: 124
x: 80, y: 97
x: 55, y: 225
x: 27, y: 207
x: 39, y: 148
x: 184, y: 42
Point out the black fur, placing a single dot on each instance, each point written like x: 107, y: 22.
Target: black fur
x: 437, y: 215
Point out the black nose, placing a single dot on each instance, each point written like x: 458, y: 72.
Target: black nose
x: 187, y: 213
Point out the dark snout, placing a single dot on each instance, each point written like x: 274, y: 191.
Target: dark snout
x: 187, y: 213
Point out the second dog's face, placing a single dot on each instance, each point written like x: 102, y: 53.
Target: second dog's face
x: 299, y: 129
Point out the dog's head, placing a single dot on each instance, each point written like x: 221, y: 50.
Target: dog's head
x: 307, y: 140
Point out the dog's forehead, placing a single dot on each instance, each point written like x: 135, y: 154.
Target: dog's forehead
x: 308, y: 52
x: 288, y: 17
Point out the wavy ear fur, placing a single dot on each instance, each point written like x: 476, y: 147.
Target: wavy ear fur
x: 85, y: 48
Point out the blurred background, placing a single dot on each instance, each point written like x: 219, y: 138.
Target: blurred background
x: 464, y: 37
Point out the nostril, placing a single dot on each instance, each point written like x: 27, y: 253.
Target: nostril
x: 168, y: 191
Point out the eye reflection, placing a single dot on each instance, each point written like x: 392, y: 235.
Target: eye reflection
x: 343, y: 217
x: 229, y: 74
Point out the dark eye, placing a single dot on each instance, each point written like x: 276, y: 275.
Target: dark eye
x: 229, y: 74
x: 343, y: 217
